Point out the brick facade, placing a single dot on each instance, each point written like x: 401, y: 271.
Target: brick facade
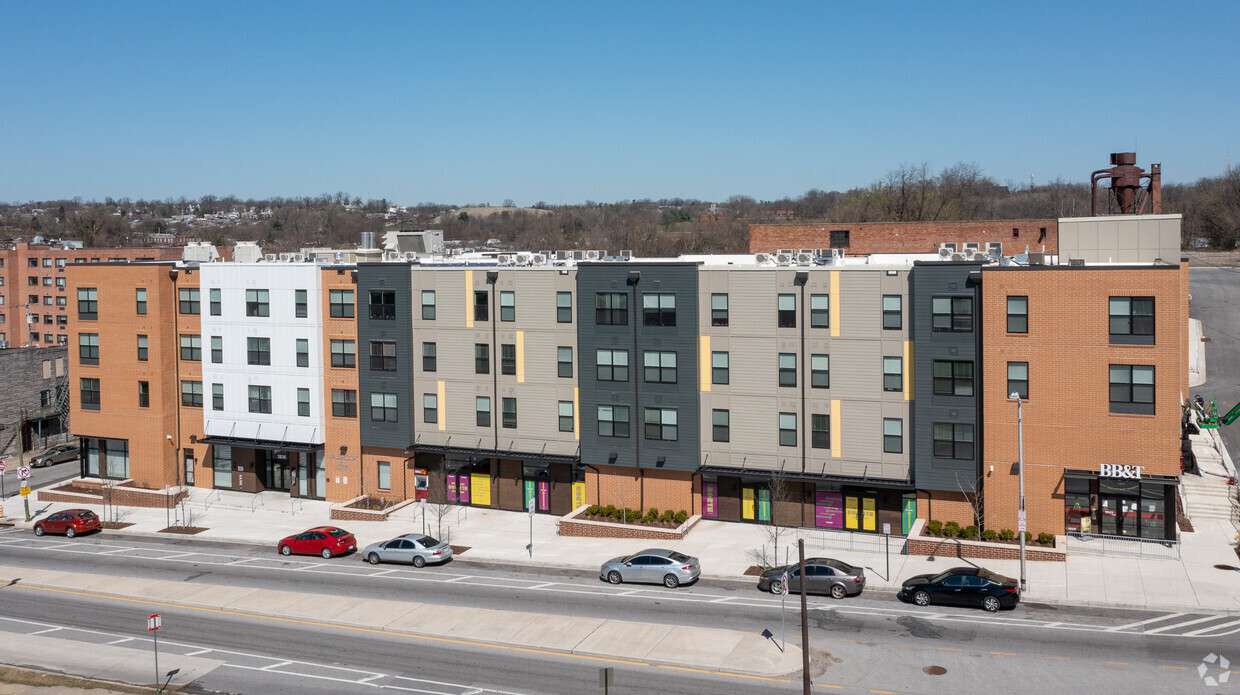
x: 121, y: 495
x: 906, y: 237
x: 33, y: 378
x: 643, y: 489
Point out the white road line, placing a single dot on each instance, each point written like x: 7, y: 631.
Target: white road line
x: 630, y: 592
x: 1179, y: 625
x: 380, y: 573
x: 173, y: 557
x: 539, y: 586
x: 375, y: 677
x: 42, y: 632
x: 268, y: 667
x: 457, y: 579
x: 241, y: 561
x: 299, y: 675
x: 1212, y: 628
x: 114, y: 550
x: 454, y: 685
x: 200, y: 651
x: 1144, y: 622
x: 721, y: 600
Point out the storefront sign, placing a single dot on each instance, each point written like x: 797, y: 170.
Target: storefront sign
x: 710, y: 500
x: 1117, y: 470
x: 829, y: 509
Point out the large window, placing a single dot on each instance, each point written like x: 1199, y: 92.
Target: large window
x: 482, y: 305
x: 820, y: 371
x: 566, y: 416
x: 1018, y: 314
x: 428, y: 305
x: 660, y: 367
x: 191, y: 348
x: 721, y: 426
x: 482, y: 358
x: 719, y: 310
x: 658, y: 309
x: 260, y: 399
x: 820, y: 431
x: 385, y: 475
x: 953, y: 378
x: 188, y: 301
x: 613, y: 421
x: 341, y: 303
x: 719, y: 370
x: 1132, y: 320
x: 611, y: 309
x: 893, y: 374
x: 258, y: 351
x: 613, y: 365
x: 564, y: 307
x: 344, y: 403
x: 507, y: 305
x: 430, y: 408
x: 88, y: 348
x: 257, y: 303
x: 383, y: 407
x: 564, y: 362
x: 303, y: 352
x: 953, y: 441
x: 90, y: 394
x: 508, y: 414
x: 217, y: 349
x: 430, y: 357
x: 893, y: 435
x: 303, y: 402
x: 140, y: 299
x: 787, y: 429
x: 1018, y: 379
x: 221, y: 466
x: 88, y: 303
x: 893, y: 312
x: 383, y: 305
x: 217, y: 396
x: 1132, y: 389
x: 144, y: 394
x: 482, y: 411
x: 952, y: 314
x: 661, y: 424
x: 300, y: 304
x: 215, y: 304
x: 107, y: 458
x: 191, y: 394
x: 143, y: 353
x: 382, y: 355
x: 344, y: 353
x: 787, y: 369
x: 819, y: 311
x: 786, y: 313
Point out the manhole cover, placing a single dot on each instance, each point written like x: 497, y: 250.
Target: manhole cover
x: 1225, y: 567
x: 934, y: 670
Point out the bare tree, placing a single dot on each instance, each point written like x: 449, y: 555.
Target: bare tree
x: 974, y: 499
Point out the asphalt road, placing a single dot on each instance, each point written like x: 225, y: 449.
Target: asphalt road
x: 1216, y: 302
x: 865, y: 643
x: 38, y: 478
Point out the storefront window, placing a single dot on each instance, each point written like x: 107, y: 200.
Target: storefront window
x: 221, y: 464
x: 1076, y: 505
x: 1153, y: 514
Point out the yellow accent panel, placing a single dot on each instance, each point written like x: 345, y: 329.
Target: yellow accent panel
x: 705, y: 361
x: 908, y: 370
x: 443, y: 407
x: 577, y: 419
x: 469, y: 297
x: 480, y: 489
x: 867, y: 514
x: 836, y: 434
x: 579, y: 494
x: 747, y: 503
x: 835, y: 304
x: 520, y: 357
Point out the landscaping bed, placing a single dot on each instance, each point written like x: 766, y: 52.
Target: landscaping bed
x: 652, y: 518
x: 184, y: 530
x: 366, y: 508
x: 922, y: 543
x: 115, y: 525
x: 951, y: 529
x: 580, y: 524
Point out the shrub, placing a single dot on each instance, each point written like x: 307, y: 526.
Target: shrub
x: 593, y: 510
x: 668, y: 516
x: 681, y: 517
x: 951, y: 529
x: 970, y: 532
x: 1028, y: 537
x: 1007, y: 534
x: 609, y: 510
x: 990, y: 534
x: 934, y: 527
x: 1047, y: 539
x: 652, y: 515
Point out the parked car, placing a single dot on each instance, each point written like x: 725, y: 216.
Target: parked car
x: 962, y: 586
x: 652, y: 566
x: 826, y: 576
x: 56, y: 454
x: 414, y: 548
x: 323, y: 540
x: 70, y: 522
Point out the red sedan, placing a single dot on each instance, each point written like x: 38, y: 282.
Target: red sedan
x: 70, y: 522
x: 322, y: 540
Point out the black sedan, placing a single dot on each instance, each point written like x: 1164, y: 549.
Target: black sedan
x: 826, y: 576
x: 962, y: 586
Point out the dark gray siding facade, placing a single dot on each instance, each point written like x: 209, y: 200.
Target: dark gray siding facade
x: 397, y: 278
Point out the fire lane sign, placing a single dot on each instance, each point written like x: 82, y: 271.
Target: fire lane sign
x: 153, y: 623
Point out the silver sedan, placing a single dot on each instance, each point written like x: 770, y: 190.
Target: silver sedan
x: 652, y: 566
x: 412, y: 548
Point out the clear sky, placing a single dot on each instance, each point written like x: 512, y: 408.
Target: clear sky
x: 476, y: 102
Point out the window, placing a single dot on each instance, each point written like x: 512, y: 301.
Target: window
x: 787, y: 369
x: 382, y: 355
x: 47, y: 263
x: 507, y: 358
x: 428, y: 305
x: 344, y: 353
x: 482, y: 358
x: 32, y: 263
x: 820, y: 371
x: 839, y: 238
x: 658, y: 309
x: 661, y: 424
x: 88, y: 348
x: 341, y: 303
x: 430, y: 408
x: 564, y: 307
x: 385, y: 475
x: 141, y: 300
x: 953, y: 441
x: 191, y: 348
x: 787, y: 311
x: 45, y: 397
x: 32, y: 281
x: 1132, y: 320
x: 953, y: 378
x: 300, y: 304
x: 430, y: 361
x: 303, y: 352
x: 88, y: 303
x: 482, y: 410
x: 952, y: 314
x: 383, y: 407
x: 893, y: 312
x: 1018, y: 314
x: 507, y: 306
x: 787, y: 429
x: 893, y: 435
x: 820, y: 311
x: 47, y: 282
x: 383, y: 305
x: 1018, y: 379
x: 509, y: 414
x: 90, y: 394
x: 719, y: 368
x: 564, y: 362
x: 142, y: 352
x: 260, y: 399
x: 482, y: 305
x: 256, y: 303
x: 720, y: 426
x: 660, y: 367
x: 344, y: 403
x: 820, y: 431
x: 60, y: 301
x: 611, y: 309
x: 60, y: 282
x: 613, y: 421
x: 258, y: 350
x: 213, y: 299
x: 719, y: 310
x: 144, y: 394
x: 566, y: 416
x: 1132, y: 389
x: 191, y: 394
x: 893, y: 374
x: 613, y: 365
x: 188, y: 301
x: 217, y: 396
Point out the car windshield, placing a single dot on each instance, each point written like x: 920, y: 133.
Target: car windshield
x: 86, y: 514
x: 679, y: 557
x: 428, y: 541
x: 338, y: 533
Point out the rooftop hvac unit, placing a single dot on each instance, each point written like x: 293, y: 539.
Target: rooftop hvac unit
x: 578, y: 255
x: 949, y: 245
x: 945, y: 252
x: 270, y: 257
x: 1037, y: 258
x: 809, y: 251
x: 538, y: 259
x: 971, y: 245
x: 626, y: 254
x: 1076, y: 261
x: 970, y: 253
x: 804, y: 258
x: 592, y: 255
x: 523, y: 259
x: 994, y: 248
x: 788, y: 252
x: 286, y: 257
x: 411, y: 255
x: 783, y: 258
x: 504, y: 258
x: 957, y: 256
x: 393, y: 256
x: 761, y: 258
x: 561, y: 255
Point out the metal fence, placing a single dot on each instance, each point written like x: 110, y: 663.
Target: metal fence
x: 831, y: 539
x: 1099, y: 544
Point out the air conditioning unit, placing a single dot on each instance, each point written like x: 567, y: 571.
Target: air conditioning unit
x: 578, y: 255
x: 626, y: 254
x: 804, y: 258
x: 411, y: 255
x: 945, y: 252
x: 286, y: 257
x: 592, y: 255
x: 788, y: 252
x: 1037, y: 258
x: 1076, y: 261
x: 393, y: 256
x: 994, y: 248
x: 761, y: 258
x: 538, y: 259
x: 504, y: 258
x: 808, y: 251
x: 957, y: 256
x: 561, y: 255
x: 970, y: 253
x: 270, y: 257
x: 949, y: 245
x: 972, y: 245
x: 523, y: 259
x: 783, y: 258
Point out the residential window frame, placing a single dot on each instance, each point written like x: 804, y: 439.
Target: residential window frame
x: 507, y: 305
x: 482, y: 305
x: 430, y: 357
x: 430, y: 408
x: 139, y: 300
x: 383, y: 407
x: 893, y: 435
x: 1127, y: 394
x: 564, y: 362
x: 786, y: 311
x: 191, y: 348
x: 383, y: 355
x: 215, y: 303
x: 820, y: 431
x: 953, y: 378
x: 344, y: 403
x: 259, y: 399
x: 508, y: 413
x: 508, y: 359
x: 787, y: 429
x: 1130, y: 320
x: 88, y: 348
x: 954, y: 440
x: 258, y: 303
x: 719, y: 309
x: 613, y: 421
x: 661, y: 424
x: 217, y: 349
x: 951, y: 314
x: 482, y: 358
x: 893, y: 374
x: 820, y: 371
x: 566, y: 420
x: 382, y: 305
x: 611, y: 364
x: 820, y: 311
x: 428, y: 305
x: 720, y: 368
x: 1018, y: 313
x: 341, y: 304
x: 191, y: 394
x: 659, y: 309
x: 563, y: 307
x: 611, y: 309
x: 893, y: 312
x: 720, y: 425
x: 144, y: 394
x: 482, y: 411
x: 189, y: 301
x: 88, y: 303
x: 258, y: 351
x: 90, y: 395
x: 659, y: 364
x: 217, y: 396
x: 1018, y: 379
x: 787, y: 369
x: 344, y: 353
x: 303, y: 402
x: 143, y: 349
x: 301, y: 304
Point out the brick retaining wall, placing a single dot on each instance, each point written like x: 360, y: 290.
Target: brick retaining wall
x: 342, y: 512
x: 569, y: 525
x: 121, y: 495
x: 919, y: 544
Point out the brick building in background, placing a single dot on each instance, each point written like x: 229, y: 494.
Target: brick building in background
x: 861, y: 239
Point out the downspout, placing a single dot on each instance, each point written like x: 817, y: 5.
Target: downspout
x: 802, y: 278
x: 493, y: 357
x: 635, y: 276
x: 176, y: 330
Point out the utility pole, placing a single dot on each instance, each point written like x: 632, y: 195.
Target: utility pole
x: 807, y: 686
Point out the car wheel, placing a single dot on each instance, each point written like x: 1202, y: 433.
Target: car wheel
x: 614, y: 577
x: 419, y: 561
x: 373, y: 558
x: 670, y: 581
x: 921, y: 598
x: 838, y: 591
x: 326, y: 553
x: 70, y: 532
x: 38, y: 531
x: 777, y: 587
x: 990, y: 603
x: 285, y: 550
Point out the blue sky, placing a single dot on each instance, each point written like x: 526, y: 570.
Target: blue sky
x: 474, y: 102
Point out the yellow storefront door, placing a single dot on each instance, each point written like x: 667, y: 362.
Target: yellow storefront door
x: 747, y: 504
x: 850, y: 512
x: 480, y: 489
x: 868, y: 515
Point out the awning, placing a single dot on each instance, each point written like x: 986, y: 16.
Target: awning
x: 465, y: 451
x: 260, y: 444
x: 799, y: 477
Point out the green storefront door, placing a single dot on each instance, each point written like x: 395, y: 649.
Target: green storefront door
x: 908, y: 514
x: 764, y: 504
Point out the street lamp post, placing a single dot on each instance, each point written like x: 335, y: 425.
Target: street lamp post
x: 1020, y: 469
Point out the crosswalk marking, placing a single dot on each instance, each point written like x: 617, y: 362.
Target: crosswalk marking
x: 1144, y: 622
x: 1212, y: 628
x: 1183, y: 624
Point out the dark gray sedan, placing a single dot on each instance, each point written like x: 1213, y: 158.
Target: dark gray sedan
x: 652, y: 566
x: 56, y: 454
x: 412, y: 548
x: 826, y: 576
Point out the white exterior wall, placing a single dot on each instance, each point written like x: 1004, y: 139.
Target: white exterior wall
x: 283, y: 375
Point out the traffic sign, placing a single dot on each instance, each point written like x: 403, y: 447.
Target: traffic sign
x: 783, y: 585
x: 1020, y: 521
x: 1, y: 465
x: 530, y: 505
x: 25, y: 492
x: 23, y: 472
x: 153, y: 623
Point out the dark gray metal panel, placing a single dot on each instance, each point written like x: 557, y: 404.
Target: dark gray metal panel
x: 680, y: 280
x: 388, y: 276
x: 927, y: 281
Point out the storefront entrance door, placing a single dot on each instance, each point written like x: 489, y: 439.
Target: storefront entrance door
x: 1119, y: 515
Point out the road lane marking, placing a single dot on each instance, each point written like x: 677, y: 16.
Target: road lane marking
x: 1212, y: 628
x: 240, y: 562
x: 1114, y: 663
x: 1178, y: 668
x: 882, y: 692
x: 196, y: 653
x: 456, y: 579
x: 542, y: 586
x: 271, y: 666
x: 1169, y: 616
x: 833, y: 687
x: 1183, y: 624
x: 950, y: 649
x: 114, y: 550
x: 1003, y: 653
x: 50, y: 629
x: 1059, y: 658
x: 127, y: 639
